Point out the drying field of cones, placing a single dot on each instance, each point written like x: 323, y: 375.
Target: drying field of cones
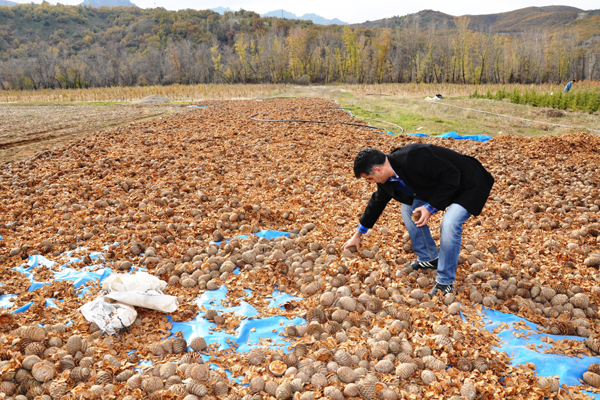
x: 155, y: 194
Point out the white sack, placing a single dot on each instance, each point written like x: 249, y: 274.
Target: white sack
x: 151, y: 299
x: 108, y: 317
x: 136, y: 282
x: 141, y: 290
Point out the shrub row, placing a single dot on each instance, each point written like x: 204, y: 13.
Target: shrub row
x: 581, y: 100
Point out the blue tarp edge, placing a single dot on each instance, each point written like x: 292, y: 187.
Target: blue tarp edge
x: 514, y: 341
x: 454, y: 135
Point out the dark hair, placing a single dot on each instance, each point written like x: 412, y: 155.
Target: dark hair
x: 366, y: 160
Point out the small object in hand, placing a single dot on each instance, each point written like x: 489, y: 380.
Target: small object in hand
x: 416, y: 216
x: 352, y: 249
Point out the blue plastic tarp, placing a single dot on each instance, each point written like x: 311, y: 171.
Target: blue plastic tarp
x: 280, y: 299
x: 6, y: 300
x: 37, y: 261
x: 251, y: 332
x: 272, y: 234
x: 247, y: 336
x: 51, y: 303
x: 22, y: 308
x: 454, y: 135
x: 64, y: 273
x: 569, y: 369
x: 214, y: 299
x: 81, y: 277
x: 269, y: 234
x: 33, y: 262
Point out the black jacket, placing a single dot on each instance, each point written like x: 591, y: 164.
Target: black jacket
x: 437, y: 175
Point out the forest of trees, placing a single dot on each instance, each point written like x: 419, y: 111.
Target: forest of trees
x: 47, y: 46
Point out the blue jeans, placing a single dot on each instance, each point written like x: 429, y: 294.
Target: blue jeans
x: 450, y: 237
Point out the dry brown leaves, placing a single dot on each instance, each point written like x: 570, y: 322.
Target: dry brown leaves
x: 164, y: 189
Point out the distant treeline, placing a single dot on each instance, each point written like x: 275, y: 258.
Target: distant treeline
x: 46, y: 46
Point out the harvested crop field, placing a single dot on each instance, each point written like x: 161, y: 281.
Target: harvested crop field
x: 156, y: 193
x: 26, y: 129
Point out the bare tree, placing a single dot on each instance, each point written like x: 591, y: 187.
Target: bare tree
x: 45, y: 66
x: 155, y: 66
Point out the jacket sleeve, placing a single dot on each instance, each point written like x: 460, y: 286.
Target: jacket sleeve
x: 374, y: 208
x: 435, y: 168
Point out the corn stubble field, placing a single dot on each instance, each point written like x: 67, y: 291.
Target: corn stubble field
x: 164, y: 189
x: 133, y: 93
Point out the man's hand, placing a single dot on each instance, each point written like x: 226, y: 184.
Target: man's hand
x: 425, y: 214
x: 354, y: 241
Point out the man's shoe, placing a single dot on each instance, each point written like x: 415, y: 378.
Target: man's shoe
x: 445, y: 289
x: 417, y: 265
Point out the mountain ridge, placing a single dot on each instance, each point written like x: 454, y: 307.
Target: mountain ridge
x: 514, y: 21
x: 509, y: 22
x: 222, y: 10
x: 108, y: 3
x: 317, y: 19
x: 587, y: 22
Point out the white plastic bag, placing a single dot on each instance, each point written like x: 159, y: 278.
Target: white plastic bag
x: 139, y: 281
x: 109, y: 317
x: 141, y: 290
x: 151, y: 299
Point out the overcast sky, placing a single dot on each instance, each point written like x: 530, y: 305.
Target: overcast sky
x: 353, y: 11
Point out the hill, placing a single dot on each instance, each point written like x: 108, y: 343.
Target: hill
x: 525, y: 19
x: 7, y: 3
x: 522, y: 20
x: 76, y: 28
x: 74, y: 46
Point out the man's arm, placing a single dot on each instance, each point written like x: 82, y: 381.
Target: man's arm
x: 354, y: 241
x: 374, y: 208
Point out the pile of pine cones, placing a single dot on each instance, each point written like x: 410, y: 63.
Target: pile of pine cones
x: 159, y: 194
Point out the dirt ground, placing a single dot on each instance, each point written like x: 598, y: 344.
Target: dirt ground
x: 412, y: 112
x: 26, y: 129
x: 163, y: 194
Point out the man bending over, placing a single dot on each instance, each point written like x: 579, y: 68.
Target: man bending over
x: 426, y: 179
